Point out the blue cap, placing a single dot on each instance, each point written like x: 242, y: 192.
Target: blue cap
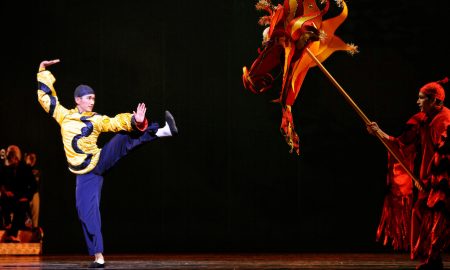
x: 83, y: 90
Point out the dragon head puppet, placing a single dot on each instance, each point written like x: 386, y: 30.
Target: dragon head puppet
x: 292, y: 28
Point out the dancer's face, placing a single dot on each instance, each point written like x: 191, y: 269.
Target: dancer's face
x: 85, y: 103
x: 425, y: 103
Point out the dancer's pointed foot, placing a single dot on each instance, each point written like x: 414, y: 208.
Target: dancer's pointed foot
x: 171, y: 123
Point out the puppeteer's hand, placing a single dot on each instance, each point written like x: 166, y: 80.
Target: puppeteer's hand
x: 375, y: 130
x: 372, y: 128
x: 139, y: 114
x: 44, y: 64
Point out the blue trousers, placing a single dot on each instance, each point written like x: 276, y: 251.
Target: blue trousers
x: 89, y: 185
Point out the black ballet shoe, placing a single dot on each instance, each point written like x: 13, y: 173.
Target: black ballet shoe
x: 96, y: 265
x: 171, y: 122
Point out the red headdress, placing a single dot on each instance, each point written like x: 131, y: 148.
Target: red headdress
x: 435, y: 89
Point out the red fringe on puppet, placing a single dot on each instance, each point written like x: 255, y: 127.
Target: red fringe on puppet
x: 292, y: 28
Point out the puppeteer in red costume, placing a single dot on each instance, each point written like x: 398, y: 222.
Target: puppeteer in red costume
x: 291, y: 29
x: 420, y: 222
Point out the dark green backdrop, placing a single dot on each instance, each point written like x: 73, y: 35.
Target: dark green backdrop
x: 228, y: 182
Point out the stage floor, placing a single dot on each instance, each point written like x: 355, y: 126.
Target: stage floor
x: 218, y: 261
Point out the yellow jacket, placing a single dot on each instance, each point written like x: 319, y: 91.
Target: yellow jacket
x: 79, y: 131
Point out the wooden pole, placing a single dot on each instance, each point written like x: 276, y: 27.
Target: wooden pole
x: 364, y: 117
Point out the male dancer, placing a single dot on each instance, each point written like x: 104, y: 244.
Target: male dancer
x: 80, y: 128
x: 427, y: 221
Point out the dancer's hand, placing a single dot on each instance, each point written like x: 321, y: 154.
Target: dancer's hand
x: 139, y: 114
x: 372, y: 128
x: 44, y: 64
x: 375, y: 130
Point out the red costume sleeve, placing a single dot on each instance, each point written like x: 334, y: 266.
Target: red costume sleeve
x: 396, y: 214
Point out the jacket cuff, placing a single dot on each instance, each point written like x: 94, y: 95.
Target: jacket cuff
x: 139, y: 126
